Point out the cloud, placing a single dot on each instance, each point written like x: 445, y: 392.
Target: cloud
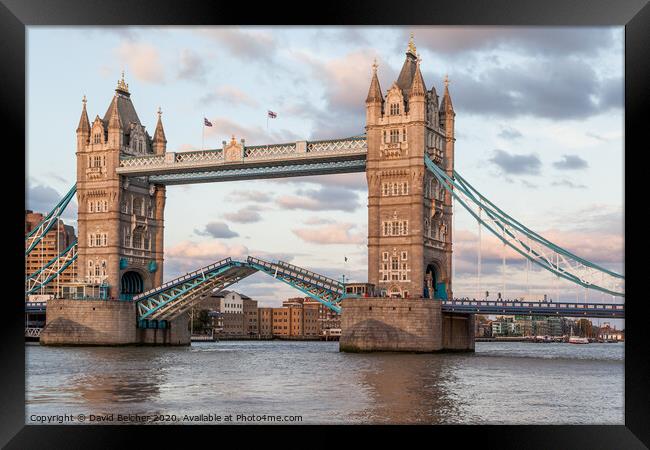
x: 539, y: 41
x: 244, y: 215
x: 345, y: 82
x: 558, y: 89
x: 509, y: 133
x: 143, y: 61
x: 230, y: 95
x: 247, y: 45
x: 191, y: 66
x: 187, y: 256
x: 517, y: 164
x: 254, y: 134
x: 318, y: 221
x: 568, y: 183
x: 338, y: 233
x: 571, y: 162
x: 324, y: 199
x: 353, y: 181
x: 249, y: 196
x: 217, y: 230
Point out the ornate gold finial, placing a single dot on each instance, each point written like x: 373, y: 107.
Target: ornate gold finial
x: 121, y: 84
x: 374, y: 66
x: 446, y: 81
x: 159, y: 112
x: 83, y: 100
x: 411, y: 48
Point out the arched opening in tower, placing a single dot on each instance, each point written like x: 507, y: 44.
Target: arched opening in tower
x: 131, y: 284
x: 430, y: 282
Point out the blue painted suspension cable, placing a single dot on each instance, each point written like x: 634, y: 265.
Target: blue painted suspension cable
x: 56, y: 213
x: 530, y: 233
x: 448, y: 186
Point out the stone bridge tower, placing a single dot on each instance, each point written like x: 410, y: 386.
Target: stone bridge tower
x: 409, y: 213
x: 120, y: 220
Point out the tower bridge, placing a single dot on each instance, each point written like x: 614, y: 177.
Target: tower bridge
x: 407, y: 153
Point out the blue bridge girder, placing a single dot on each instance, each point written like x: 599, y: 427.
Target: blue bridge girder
x: 177, y: 296
x: 291, y: 159
x: 524, y: 308
x: 262, y: 172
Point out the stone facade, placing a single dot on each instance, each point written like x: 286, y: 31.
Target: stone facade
x: 403, y: 325
x: 409, y: 213
x: 120, y: 220
x: 386, y: 324
x: 105, y: 323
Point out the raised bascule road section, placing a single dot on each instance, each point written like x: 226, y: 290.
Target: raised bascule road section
x: 407, y: 154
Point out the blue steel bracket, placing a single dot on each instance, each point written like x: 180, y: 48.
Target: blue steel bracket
x: 309, y: 283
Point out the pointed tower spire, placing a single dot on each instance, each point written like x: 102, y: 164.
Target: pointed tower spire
x: 374, y: 93
x: 411, y: 47
x: 84, y: 123
x: 114, y: 121
x: 159, y: 139
x: 418, y: 88
x: 446, y: 104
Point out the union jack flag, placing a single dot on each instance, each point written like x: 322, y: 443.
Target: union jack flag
x: 272, y: 115
x: 206, y: 122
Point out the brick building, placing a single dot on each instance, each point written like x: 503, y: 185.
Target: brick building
x: 60, y: 237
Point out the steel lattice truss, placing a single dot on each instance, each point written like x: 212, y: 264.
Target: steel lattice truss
x: 177, y: 296
x: 323, y: 289
x: 261, y: 161
x: 34, y: 237
x: 51, y: 270
x: 524, y: 241
x: 601, y: 310
x: 267, y: 171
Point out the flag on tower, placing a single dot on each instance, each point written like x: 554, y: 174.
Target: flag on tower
x: 206, y: 122
x: 272, y: 115
x: 346, y: 259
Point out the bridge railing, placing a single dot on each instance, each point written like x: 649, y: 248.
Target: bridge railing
x: 299, y: 273
x: 187, y: 276
x: 546, y: 305
x: 293, y: 150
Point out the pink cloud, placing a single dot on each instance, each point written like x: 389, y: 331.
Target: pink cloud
x: 338, y: 233
x: 143, y: 61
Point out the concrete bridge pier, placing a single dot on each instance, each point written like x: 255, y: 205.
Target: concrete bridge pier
x: 105, y: 323
x: 403, y: 325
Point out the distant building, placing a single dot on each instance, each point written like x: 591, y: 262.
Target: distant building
x: 237, y: 313
x: 265, y: 321
x: 251, y: 325
x: 60, y: 237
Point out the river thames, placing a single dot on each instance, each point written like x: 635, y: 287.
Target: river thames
x: 312, y: 382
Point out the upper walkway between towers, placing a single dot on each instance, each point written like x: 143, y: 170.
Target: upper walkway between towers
x: 237, y: 161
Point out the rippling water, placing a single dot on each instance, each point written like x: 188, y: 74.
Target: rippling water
x: 502, y: 383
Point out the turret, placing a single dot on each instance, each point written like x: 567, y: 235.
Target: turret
x: 83, y: 130
x: 417, y: 97
x: 375, y: 99
x: 159, y: 140
x: 115, y: 132
x: 447, y: 115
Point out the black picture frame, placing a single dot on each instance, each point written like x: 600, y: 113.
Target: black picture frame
x: 16, y: 15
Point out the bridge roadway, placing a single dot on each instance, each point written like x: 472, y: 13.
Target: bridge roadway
x: 510, y: 308
x: 563, y: 309
x: 250, y: 162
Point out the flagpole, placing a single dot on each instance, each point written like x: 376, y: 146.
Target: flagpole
x: 203, y: 134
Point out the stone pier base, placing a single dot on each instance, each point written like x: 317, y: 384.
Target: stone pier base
x: 403, y: 325
x: 105, y: 322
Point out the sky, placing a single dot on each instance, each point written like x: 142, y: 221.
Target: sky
x: 539, y: 129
